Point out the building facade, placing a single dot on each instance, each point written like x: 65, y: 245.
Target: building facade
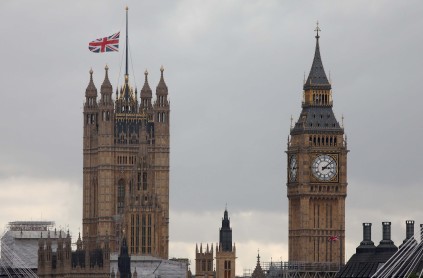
x: 126, y: 167
x: 317, y: 174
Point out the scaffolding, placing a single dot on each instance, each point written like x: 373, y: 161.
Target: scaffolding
x: 19, y: 247
x: 297, y: 269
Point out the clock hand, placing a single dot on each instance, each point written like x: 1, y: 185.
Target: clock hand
x: 327, y: 166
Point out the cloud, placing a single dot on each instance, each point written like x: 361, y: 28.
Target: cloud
x: 32, y: 199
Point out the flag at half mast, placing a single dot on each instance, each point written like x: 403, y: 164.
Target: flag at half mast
x: 106, y: 44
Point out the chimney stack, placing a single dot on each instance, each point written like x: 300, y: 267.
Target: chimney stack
x: 386, y: 244
x: 409, y: 225
x: 386, y: 233
x: 367, y: 245
x: 367, y: 232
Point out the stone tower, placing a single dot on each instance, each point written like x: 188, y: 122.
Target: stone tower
x: 126, y: 167
x: 204, y: 261
x: 225, y: 251
x: 317, y: 174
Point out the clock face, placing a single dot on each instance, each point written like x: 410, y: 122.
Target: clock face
x: 293, y: 166
x: 324, y: 167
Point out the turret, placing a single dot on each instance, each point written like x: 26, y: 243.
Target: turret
x: 106, y: 90
x: 90, y: 106
x: 41, y: 254
x: 91, y: 93
x: 146, y: 94
x: 161, y: 105
x: 59, y: 251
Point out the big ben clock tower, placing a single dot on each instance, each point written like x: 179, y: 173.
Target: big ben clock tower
x: 317, y: 174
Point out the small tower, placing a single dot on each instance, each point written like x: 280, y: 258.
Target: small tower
x: 41, y: 255
x: 204, y: 261
x: 226, y: 252
x: 146, y: 95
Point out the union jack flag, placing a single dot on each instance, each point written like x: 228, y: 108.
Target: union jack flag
x: 106, y: 44
x: 333, y: 238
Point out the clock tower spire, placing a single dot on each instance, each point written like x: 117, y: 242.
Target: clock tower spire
x: 317, y: 174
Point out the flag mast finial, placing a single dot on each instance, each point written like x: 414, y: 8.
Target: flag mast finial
x: 126, y: 68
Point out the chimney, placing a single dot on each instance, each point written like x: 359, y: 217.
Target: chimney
x: 386, y: 233
x: 409, y: 225
x: 386, y: 244
x: 367, y: 245
x: 409, y: 232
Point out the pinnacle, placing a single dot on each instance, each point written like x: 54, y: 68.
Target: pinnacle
x: 317, y: 76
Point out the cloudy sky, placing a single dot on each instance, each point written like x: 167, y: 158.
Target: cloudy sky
x: 234, y: 70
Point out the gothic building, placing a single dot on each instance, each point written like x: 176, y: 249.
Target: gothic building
x: 225, y: 254
x: 63, y: 262
x: 126, y: 167
x: 317, y: 174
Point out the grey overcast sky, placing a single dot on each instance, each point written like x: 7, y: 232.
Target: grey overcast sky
x: 234, y: 69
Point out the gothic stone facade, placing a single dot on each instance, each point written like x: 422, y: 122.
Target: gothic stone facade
x: 317, y: 174
x: 126, y: 167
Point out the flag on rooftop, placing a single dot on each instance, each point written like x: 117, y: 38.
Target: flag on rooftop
x: 106, y: 44
x: 333, y: 238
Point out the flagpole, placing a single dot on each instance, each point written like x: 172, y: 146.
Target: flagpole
x: 126, y: 67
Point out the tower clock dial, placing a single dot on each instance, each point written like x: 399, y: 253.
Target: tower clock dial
x: 293, y: 166
x: 324, y: 167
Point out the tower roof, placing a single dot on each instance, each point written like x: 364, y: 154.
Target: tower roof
x: 161, y: 87
x: 91, y: 90
x: 317, y: 77
x: 146, y: 90
x: 106, y: 82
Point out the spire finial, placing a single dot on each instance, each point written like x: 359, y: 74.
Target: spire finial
x: 162, y: 68
x: 91, y: 72
x: 126, y: 7
x: 317, y: 30
x: 106, y: 67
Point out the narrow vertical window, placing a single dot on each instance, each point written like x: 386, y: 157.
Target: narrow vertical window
x: 121, y: 196
x: 137, y: 234
x: 144, y: 181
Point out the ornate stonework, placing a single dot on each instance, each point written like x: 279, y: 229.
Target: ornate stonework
x: 317, y: 174
x: 126, y: 167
